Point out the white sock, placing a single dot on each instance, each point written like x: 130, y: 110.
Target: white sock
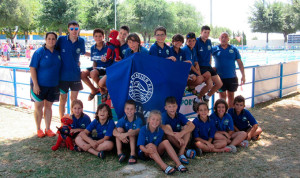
x: 207, y: 97
x: 197, y: 100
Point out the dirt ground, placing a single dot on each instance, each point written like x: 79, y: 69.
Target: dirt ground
x: 276, y: 154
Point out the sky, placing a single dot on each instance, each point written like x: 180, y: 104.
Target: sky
x: 230, y: 13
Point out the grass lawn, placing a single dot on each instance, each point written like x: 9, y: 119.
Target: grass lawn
x: 276, y: 154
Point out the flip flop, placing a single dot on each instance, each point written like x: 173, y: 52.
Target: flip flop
x: 121, y: 157
x: 101, y: 155
x: 169, y: 170
x: 182, y: 168
x: 91, y: 96
x: 182, y: 159
x: 189, y: 153
x: 134, y: 158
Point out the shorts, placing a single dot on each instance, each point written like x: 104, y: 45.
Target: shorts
x: 50, y: 94
x: 100, y: 71
x: 245, y: 129
x: 230, y: 84
x: 73, y: 85
x: 204, y: 69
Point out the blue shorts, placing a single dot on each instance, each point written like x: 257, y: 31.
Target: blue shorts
x: 230, y: 84
x: 50, y: 94
x: 64, y: 86
x: 204, y: 69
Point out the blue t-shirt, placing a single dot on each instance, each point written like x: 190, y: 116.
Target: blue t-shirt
x: 96, y: 56
x: 176, y: 123
x: 225, y: 60
x: 80, y: 123
x: 98, y: 131
x: 142, y: 50
x: 204, y: 51
x: 126, y: 125
x: 70, y: 53
x: 204, y: 130
x: 145, y: 136
x: 224, y: 124
x: 243, y: 121
x: 156, y: 50
x: 180, y: 56
x: 123, y: 49
x: 190, y: 54
x: 47, y: 65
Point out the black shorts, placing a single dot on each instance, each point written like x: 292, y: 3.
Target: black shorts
x: 50, y: 94
x: 204, y: 69
x: 100, y: 71
x: 246, y: 129
x: 73, y: 85
x: 230, y: 84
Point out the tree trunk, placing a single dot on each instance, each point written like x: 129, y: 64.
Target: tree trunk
x: 26, y: 37
x: 144, y: 37
x: 285, y: 37
x: 59, y: 31
x: 149, y: 37
x: 267, y: 45
x: 106, y: 35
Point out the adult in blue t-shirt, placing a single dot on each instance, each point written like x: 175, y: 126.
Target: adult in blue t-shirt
x: 134, y: 43
x: 204, y: 51
x: 70, y: 48
x: 225, y: 56
x: 45, y: 67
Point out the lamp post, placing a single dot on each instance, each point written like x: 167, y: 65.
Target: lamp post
x: 115, y: 14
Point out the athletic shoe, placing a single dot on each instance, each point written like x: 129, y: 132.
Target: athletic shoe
x: 204, y: 99
x: 40, y: 133
x: 244, y: 143
x: 195, y: 105
x: 49, y: 133
x: 233, y: 148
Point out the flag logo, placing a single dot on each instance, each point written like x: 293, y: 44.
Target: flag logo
x: 141, y: 88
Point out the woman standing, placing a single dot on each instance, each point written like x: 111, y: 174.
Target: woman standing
x: 45, y: 70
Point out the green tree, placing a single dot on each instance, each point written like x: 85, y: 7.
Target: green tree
x: 296, y: 12
x: 265, y: 18
x: 29, y: 17
x: 288, y: 21
x: 149, y: 15
x: 10, y: 17
x: 186, y: 18
x: 55, y: 14
x: 216, y: 31
x: 98, y: 14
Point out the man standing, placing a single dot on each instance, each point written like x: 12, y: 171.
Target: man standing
x: 225, y: 56
x: 70, y: 47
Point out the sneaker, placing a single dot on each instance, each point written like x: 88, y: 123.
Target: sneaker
x: 244, y: 143
x: 40, y: 133
x: 195, y: 105
x: 49, y: 133
x: 233, y: 148
x: 204, y: 99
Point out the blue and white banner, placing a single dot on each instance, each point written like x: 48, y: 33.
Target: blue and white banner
x: 148, y: 80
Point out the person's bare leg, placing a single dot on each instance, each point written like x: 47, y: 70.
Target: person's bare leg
x: 238, y: 137
x: 62, y: 104
x: 48, y: 113
x: 38, y: 113
x: 166, y: 146
x: 223, y: 95
x: 206, y: 88
x: 217, y: 85
x: 86, y: 80
x: 230, y: 96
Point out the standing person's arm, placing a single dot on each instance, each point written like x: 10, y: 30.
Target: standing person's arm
x: 241, y: 66
x: 36, y: 87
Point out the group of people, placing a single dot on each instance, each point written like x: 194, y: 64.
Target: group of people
x: 55, y: 69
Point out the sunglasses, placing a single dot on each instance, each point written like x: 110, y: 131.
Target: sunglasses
x: 76, y: 28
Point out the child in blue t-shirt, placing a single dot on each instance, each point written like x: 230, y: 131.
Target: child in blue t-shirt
x: 151, y: 144
x: 204, y: 132
x: 224, y: 126
x: 98, y: 54
x: 160, y: 48
x: 126, y: 131
x: 96, y: 138
x: 134, y: 43
x: 243, y: 119
x: 178, y: 129
x: 80, y: 120
x: 195, y: 77
x: 177, y: 41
